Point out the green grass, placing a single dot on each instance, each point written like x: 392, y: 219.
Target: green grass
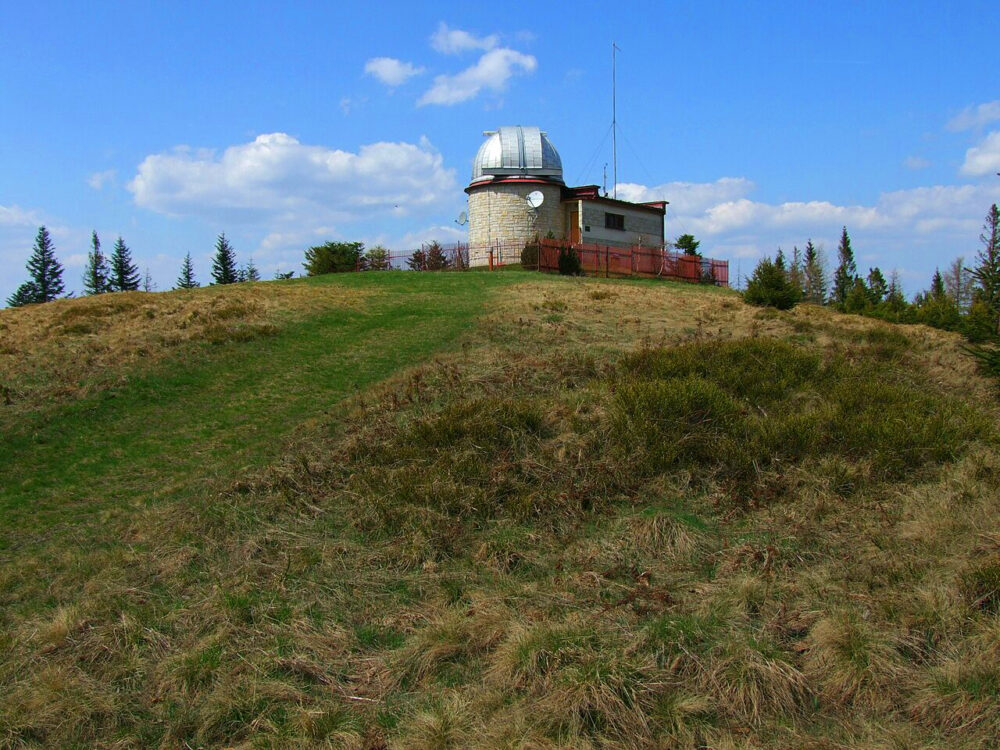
x: 215, y: 412
x: 444, y: 518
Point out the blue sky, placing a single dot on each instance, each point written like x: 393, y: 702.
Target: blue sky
x: 289, y: 124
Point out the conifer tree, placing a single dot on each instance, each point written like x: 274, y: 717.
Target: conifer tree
x: 937, y: 285
x: 186, y: 279
x: 815, y: 276
x: 894, y: 300
x: 45, y: 271
x: 795, y: 271
x: 147, y: 282
x: 958, y: 283
x: 779, y: 259
x: 249, y: 272
x: 26, y: 294
x: 95, y: 274
x: 437, y: 259
x: 769, y: 286
x: 224, y: 262
x: 846, y: 273
x: 877, y: 287
x: 987, y: 270
x: 687, y: 244
x: 124, y: 273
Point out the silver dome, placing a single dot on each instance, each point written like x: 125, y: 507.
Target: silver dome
x: 517, y: 151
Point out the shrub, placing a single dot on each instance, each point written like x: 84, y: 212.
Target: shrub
x: 769, y: 287
x: 529, y: 255
x: 569, y: 261
x: 333, y: 257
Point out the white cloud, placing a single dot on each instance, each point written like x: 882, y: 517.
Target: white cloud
x: 390, y: 71
x: 18, y: 229
x: 916, y: 162
x: 492, y: 71
x: 412, y: 240
x: 14, y: 216
x: 985, y: 158
x: 99, y: 179
x: 975, y: 116
x: 688, y: 198
x: 452, y: 41
x: 913, y: 230
x: 276, y: 179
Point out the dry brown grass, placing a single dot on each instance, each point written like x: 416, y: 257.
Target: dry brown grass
x: 68, y: 348
x: 411, y: 576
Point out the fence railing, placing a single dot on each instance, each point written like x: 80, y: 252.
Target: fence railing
x: 595, y: 260
x: 638, y: 260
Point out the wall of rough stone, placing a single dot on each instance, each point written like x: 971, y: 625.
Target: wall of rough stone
x: 500, y: 212
x: 641, y: 227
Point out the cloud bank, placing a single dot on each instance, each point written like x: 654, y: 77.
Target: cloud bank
x: 983, y: 159
x: 275, y: 178
x: 492, y: 71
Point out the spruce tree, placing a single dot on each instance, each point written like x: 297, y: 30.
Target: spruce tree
x: 687, y: 244
x: 224, y: 262
x: 45, y: 271
x: 148, y: 285
x: 987, y: 271
x: 186, y: 279
x: 779, y: 260
x: 769, y: 286
x: 894, y: 301
x: 124, y: 273
x: 26, y: 294
x: 815, y: 276
x: 937, y: 285
x: 877, y: 286
x: 796, y: 274
x: 846, y: 273
x: 95, y: 274
x: 249, y: 272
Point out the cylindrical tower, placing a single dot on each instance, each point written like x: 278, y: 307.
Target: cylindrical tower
x: 513, y: 163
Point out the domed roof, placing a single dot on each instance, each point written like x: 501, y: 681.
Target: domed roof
x: 517, y: 151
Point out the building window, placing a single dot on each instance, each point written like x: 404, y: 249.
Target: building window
x: 614, y: 221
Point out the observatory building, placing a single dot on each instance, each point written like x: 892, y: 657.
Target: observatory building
x: 517, y: 193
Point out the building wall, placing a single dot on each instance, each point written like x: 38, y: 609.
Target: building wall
x: 500, y: 212
x: 641, y: 227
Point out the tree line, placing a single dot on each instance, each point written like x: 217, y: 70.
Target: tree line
x: 963, y: 298
x: 118, y: 272
x: 342, y: 257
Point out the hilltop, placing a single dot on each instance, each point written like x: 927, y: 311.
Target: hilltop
x: 492, y: 510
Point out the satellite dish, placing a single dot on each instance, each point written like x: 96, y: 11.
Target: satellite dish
x: 535, y: 198
x: 462, y: 219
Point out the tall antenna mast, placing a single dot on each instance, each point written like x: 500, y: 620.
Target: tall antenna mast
x: 614, y: 116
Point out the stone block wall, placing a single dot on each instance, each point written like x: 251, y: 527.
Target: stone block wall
x: 500, y: 212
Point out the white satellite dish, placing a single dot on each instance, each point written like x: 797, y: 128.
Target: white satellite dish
x: 462, y: 219
x: 535, y: 198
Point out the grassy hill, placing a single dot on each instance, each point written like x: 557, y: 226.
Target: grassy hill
x: 492, y: 510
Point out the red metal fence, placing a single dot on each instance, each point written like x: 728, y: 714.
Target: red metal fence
x: 595, y: 260
x: 648, y: 262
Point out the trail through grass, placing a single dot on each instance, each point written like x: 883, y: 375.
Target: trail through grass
x: 212, y: 412
x: 620, y: 515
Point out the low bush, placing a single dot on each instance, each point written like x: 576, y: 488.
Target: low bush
x: 742, y: 412
x: 569, y: 261
x: 769, y: 287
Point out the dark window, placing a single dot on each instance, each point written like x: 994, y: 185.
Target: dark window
x: 614, y: 221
